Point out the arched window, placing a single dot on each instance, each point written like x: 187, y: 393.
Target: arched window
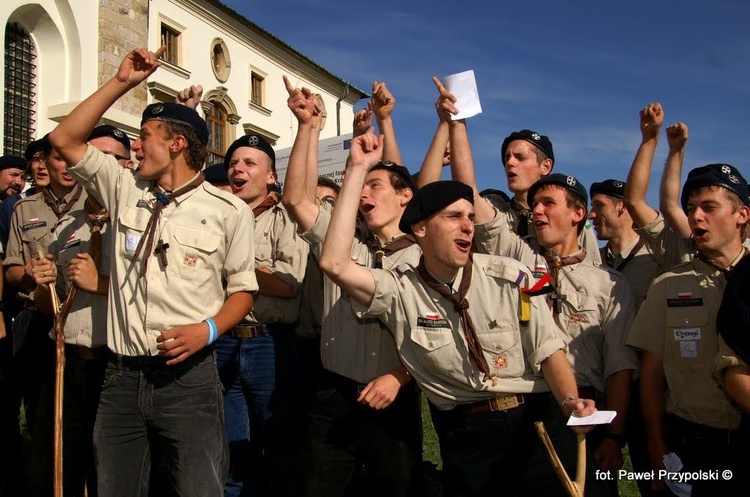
x: 216, y: 119
x: 20, y: 83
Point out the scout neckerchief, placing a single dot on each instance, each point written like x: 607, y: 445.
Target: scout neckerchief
x: 389, y: 248
x: 524, y: 218
x: 267, y: 203
x: 96, y: 221
x: 555, y: 262
x: 613, y: 260
x: 726, y: 271
x: 54, y: 203
x: 162, y: 200
x: 460, y: 305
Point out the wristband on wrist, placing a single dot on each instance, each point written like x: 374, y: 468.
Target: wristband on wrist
x: 213, y: 331
x: 565, y: 403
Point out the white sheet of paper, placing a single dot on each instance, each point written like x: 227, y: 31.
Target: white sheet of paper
x: 463, y: 85
x: 598, y: 418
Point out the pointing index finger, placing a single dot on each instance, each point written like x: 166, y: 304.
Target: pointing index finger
x: 160, y: 51
x: 289, y: 87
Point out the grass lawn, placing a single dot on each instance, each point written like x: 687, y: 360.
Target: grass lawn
x: 431, y: 452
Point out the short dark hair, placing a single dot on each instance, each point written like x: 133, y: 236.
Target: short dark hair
x: 196, y: 152
x: 327, y: 182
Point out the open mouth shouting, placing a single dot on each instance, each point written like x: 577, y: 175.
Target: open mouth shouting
x: 238, y: 183
x: 366, y: 208
x: 463, y: 245
x: 700, y: 234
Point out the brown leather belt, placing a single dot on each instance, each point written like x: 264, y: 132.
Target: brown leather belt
x: 86, y: 353
x: 502, y: 402
x: 247, y: 330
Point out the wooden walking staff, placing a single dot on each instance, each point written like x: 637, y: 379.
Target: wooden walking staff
x: 574, y: 488
x: 61, y: 314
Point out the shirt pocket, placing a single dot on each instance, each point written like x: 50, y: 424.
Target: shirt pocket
x: 194, y: 253
x: 431, y: 345
x: 36, y: 240
x: 503, y: 351
x: 689, y: 338
x: 133, y: 223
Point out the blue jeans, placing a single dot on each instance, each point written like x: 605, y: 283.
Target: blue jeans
x: 163, y: 425
x: 262, y: 411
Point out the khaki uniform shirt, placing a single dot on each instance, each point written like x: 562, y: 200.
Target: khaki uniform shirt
x: 210, y: 255
x: 507, y: 213
x: 678, y: 323
x: 640, y: 270
x: 596, y: 307
x: 86, y: 324
x: 431, y: 341
x: 726, y: 358
x: 34, y: 226
x: 596, y: 311
x: 278, y: 247
x: 357, y: 348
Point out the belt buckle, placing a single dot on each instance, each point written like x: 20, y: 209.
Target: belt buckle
x: 504, y: 402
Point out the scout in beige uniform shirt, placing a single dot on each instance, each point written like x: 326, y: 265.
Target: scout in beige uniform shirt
x: 678, y: 323
x: 200, y: 255
x: 430, y: 337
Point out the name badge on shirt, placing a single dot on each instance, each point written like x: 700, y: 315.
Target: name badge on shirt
x: 432, y: 321
x: 687, y: 334
x: 689, y: 349
x: 685, y: 302
x: 33, y: 225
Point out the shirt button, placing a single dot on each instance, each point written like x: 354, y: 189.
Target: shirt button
x: 373, y: 354
x: 164, y: 219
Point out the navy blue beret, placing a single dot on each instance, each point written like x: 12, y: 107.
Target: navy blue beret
x: 40, y: 145
x: 252, y: 141
x: 432, y: 198
x: 570, y: 183
x: 176, y: 113
x: 539, y: 141
x: 111, y: 132
x: 216, y: 174
x: 611, y: 187
x: 722, y: 175
x: 12, y: 162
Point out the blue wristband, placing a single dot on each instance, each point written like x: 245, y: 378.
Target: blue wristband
x: 213, y: 331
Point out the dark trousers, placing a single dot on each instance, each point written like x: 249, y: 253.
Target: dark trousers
x: 352, y: 449
x: 703, y: 448
x: 500, y: 452
x: 163, y: 424
x: 263, y: 412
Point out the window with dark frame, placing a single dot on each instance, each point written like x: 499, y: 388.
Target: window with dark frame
x: 256, y: 89
x: 20, y: 85
x: 171, y: 39
x: 217, y: 133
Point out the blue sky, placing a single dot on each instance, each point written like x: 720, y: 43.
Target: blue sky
x: 576, y: 71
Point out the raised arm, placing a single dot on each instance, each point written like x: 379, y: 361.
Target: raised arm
x: 299, y: 181
x: 312, y: 148
x: 69, y: 137
x: 383, y: 104
x: 438, y: 155
x: 651, y: 117
x: 335, y: 260
x: 462, y: 161
x: 669, y: 194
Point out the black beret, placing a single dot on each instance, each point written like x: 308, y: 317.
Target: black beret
x: 12, y: 162
x: 570, y: 183
x: 493, y: 192
x: 611, y: 187
x: 40, y: 145
x: 399, y: 171
x: 216, y: 174
x: 539, y: 141
x: 432, y: 198
x: 722, y: 175
x: 252, y: 141
x: 176, y: 113
x: 112, y: 132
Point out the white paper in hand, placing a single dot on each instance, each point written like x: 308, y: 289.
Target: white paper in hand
x: 598, y: 418
x: 464, y: 87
